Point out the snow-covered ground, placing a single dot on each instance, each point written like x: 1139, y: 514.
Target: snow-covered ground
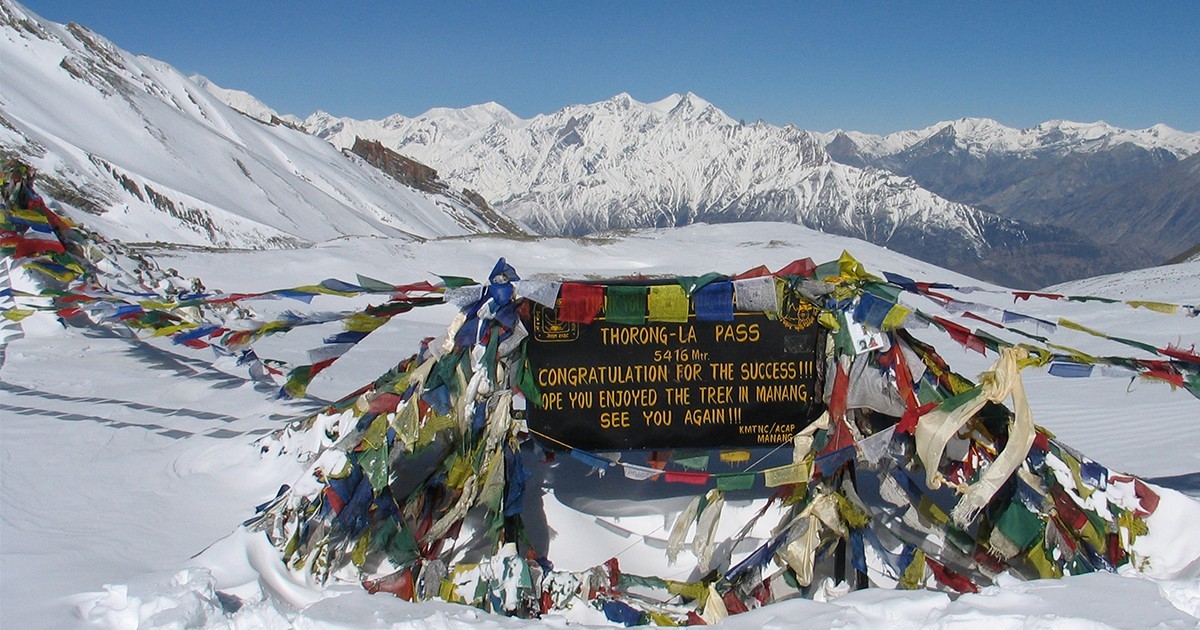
x: 121, y: 460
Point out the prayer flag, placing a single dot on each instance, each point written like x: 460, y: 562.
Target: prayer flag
x: 668, y: 303
x: 1161, y: 307
x: 738, y: 481
x: 799, y: 472
x: 872, y: 310
x: 580, y: 302
x: 692, y: 462
x: 756, y: 294
x: 1041, y: 325
x: 639, y: 473
x: 1070, y: 369
x: 464, y: 297
x: 694, y: 478
x: 691, y: 284
x: 962, y: 335
x: 590, y: 459
x: 734, y: 457
x: 804, y: 267
x: 875, y: 447
x: 542, y: 292
x: 714, y: 303
x: 625, y: 305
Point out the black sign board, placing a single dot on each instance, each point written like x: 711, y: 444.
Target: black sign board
x: 751, y: 382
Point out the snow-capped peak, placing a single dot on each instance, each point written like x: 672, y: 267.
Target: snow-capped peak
x: 242, y: 101
x: 477, y: 115
x: 984, y: 135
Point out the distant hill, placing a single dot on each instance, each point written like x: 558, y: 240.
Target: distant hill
x: 156, y: 157
x: 1132, y: 189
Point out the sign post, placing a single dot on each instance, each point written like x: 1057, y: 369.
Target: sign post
x: 751, y: 382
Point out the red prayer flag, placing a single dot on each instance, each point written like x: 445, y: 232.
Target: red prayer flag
x: 734, y: 605
x: 336, y: 503
x: 28, y: 246
x: 1146, y: 497
x: 950, y: 577
x: 760, y: 271
x: 926, y: 288
x: 1179, y: 353
x: 840, y: 439
x: 1068, y: 512
x: 908, y: 423
x: 962, y: 335
x: 895, y: 359
x: 580, y: 303
x: 384, y: 403
x: 1025, y: 295
x: 982, y: 319
x: 837, y: 398
x: 803, y: 267
x: 316, y: 368
x: 694, y: 478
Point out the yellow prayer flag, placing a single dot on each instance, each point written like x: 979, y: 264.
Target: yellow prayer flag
x: 667, y: 303
x: 17, y: 314
x: 791, y: 473
x: 151, y: 305
x: 735, y: 457
x: 1040, y: 560
x: 850, y: 269
x: 171, y: 330
x: 1076, y: 355
x: 1066, y: 323
x: 895, y: 317
x: 362, y: 322
x: 29, y: 216
x: 462, y: 468
x: 1161, y: 307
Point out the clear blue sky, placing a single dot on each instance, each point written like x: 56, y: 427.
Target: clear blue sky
x: 870, y: 66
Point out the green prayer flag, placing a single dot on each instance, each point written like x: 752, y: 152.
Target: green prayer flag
x: 374, y: 463
x: 691, y: 284
x: 374, y: 286
x: 1091, y: 298
x: 736, y: 481
x: 625, y: 304
x: 396, y: 541
x: 928, y: 392
x: 993, y: 343
x: 454, y: 282
x: 958, y: 400
x: 690, y: 461
x: 1192, y: 384
x: 883, y: 290
x: 1020, y: 525
x: 525, y: 381
x: 827, y: 270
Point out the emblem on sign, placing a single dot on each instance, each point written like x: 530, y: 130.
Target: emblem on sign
x: 547, y: 327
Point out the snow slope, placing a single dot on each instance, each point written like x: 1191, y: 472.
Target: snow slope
x: 156, y: 157
x: 121, y: 460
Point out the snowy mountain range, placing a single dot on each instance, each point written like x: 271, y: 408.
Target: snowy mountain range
x: 621, y: 163
x: 1138, y: 188
x: 156, y: 157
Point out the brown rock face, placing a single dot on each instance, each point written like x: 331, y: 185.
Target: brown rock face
x: 404, y: 170
x: 424, y: 178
